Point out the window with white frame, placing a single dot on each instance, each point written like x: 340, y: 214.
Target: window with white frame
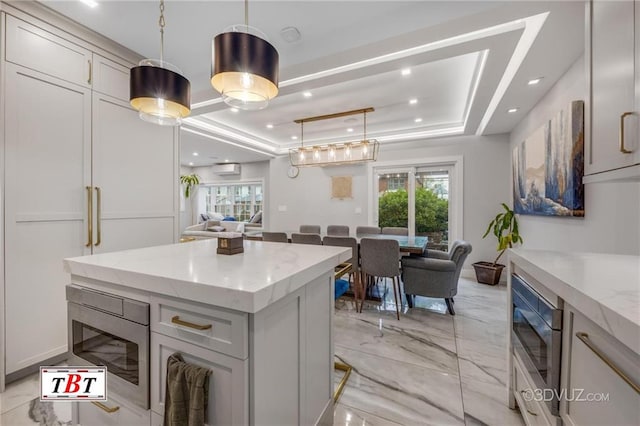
x: 238, y: 200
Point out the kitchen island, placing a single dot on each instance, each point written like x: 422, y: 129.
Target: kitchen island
x: 260, y: 320
x: 596, y: 359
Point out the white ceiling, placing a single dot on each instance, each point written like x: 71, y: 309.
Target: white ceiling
x: 470, y: 62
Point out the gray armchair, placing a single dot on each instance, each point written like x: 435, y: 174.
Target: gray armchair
x: 436, y: 274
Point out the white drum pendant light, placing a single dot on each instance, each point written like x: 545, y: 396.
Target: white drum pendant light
x: 158, y: 90
x: 245, y: 67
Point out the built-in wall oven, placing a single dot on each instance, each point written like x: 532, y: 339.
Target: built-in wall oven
x: 537, y: 338
x: 113, y: 331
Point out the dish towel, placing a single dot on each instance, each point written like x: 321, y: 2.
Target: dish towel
x: 187, y: 393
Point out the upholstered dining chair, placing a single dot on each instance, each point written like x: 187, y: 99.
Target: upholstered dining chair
x: 379, y: 258
x: 355, y: 267
x: 367, y: 230
x: 435, y: 275
x: 275, y: 237
x: 394, y: 230
x: 301, y: 238
x: 338, y: 230
x: 310, y: 229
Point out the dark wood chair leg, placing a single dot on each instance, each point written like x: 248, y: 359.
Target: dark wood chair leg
x: 449, y: 303
x: 396, y: 293
x: 409, y: 300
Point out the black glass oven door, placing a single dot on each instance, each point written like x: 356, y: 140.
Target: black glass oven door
x: 533, y: 334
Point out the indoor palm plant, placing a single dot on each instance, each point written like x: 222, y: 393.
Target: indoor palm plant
x: 505, y: 228
x: 189, y: 182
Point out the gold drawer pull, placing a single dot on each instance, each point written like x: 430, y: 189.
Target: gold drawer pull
x: 103, y: 407
x: 177, y: 320
x: 526, y: 405
x: 622, y: 148
x: 584, y: 337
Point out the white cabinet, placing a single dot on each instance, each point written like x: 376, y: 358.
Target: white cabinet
x: 613, y: 43
x: 83, y: 174
x: 113, y: 412
x: 47, y: 146
x: 228, y: 384
x: 596, y: 393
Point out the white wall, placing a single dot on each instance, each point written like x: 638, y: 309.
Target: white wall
x: 611, y: 222
x: 307, y: 198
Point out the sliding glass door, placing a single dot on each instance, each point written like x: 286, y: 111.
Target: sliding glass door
x: 415, y: 197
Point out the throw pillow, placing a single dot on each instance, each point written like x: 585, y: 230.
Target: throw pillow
x: 211, y: 223
x: 229, y: 218
x: 257, y: 218
x: 216, y: 228
x: 215, y: 216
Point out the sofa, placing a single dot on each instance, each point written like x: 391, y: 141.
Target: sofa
x: 211, y: 228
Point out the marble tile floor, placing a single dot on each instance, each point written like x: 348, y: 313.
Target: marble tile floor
x: 429, y: 368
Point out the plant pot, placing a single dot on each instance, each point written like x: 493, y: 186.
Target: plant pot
x: 487, y: 272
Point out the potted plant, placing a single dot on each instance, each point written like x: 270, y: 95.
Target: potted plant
x: 189, y: 181
x: 505, y: 227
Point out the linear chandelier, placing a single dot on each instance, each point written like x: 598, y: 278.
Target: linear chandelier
x: 333, y: 154
x: 157, y: 89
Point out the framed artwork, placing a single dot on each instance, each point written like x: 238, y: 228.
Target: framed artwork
x: 341, y: 187
x: 548, y: 167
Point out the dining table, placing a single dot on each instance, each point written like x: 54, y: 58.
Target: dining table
x: 408, y: 244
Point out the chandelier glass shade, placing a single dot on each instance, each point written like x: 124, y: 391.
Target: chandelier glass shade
x: 245, y: 67
x: 350, y: 152
x: 244, y: 70
x: 157, y: 89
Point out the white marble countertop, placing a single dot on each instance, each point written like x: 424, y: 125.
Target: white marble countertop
x: 248, y: 282
x: 604, y: 287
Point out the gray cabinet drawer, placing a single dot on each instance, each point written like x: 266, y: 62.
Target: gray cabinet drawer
x: 226, y: 331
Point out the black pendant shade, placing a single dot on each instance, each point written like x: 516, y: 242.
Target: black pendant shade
x: 244, y: 69
x: 162, y: 96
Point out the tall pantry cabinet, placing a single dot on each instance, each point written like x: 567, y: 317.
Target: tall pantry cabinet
x: 82, y: 173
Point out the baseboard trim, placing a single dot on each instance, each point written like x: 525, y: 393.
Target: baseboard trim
x: 27, y: 371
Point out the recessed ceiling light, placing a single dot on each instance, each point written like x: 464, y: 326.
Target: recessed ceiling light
x: 195, y: 154
x: 191, y: 163
x: 512, y: 110
x: 350, y: 130
x: 234, y: 109
x: 307, y: 94
x: 418, y: 120
x: 406, y: 71
x: 90, y: 3
x: 226, y: 160
x: 290, y: 34
x: 534, y: 81
x: 269, y: 126
x: 294, y: 137
x: 413, y: 101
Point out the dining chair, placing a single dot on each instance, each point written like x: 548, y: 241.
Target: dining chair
x: 310, y: 229
x: 354, y: 261
x: 367, y: 230
x: 302, y: 238
x: 395, y: 230
x: 436, y: 274
x: 338, y: 230
x: 379, y: 258
x: 275, y: 237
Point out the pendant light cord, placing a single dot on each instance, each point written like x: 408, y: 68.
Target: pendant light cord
x: 246, y: 14
x: 161, y: 24
x: 301, y: 135
x: 365, y: 125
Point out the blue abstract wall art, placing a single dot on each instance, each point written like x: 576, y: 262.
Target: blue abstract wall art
x: 548, y: 167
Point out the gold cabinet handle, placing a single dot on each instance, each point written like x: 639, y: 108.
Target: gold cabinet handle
x: 622, y: 117
x: 105, y: 408
x: 177, y: 320
x: 526, y: 406
x: 90, y: 71
x: 98, y: 215
x: 89, y: 216
x: 584, y: 337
